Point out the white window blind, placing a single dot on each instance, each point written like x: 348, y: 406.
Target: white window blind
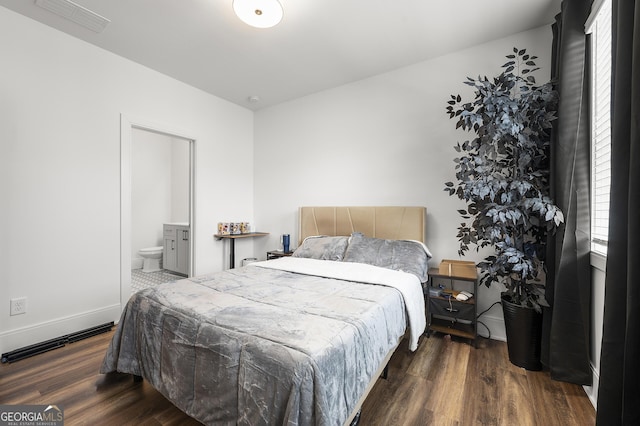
x: 599, y: 25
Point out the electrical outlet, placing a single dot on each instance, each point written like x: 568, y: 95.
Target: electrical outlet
x: 18, y: 306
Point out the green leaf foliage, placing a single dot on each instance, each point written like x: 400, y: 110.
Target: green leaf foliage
x: 503, y: 174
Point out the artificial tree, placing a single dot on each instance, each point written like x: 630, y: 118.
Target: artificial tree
x: 503, y: 175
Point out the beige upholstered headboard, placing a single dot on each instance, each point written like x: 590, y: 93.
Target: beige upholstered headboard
x: 397, y: 223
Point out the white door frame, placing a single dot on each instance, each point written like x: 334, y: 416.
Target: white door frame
x: 127, y: 124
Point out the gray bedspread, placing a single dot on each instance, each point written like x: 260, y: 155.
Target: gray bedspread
x: 259, y: 346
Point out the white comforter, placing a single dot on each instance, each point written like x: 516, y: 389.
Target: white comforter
x: 407, y: 284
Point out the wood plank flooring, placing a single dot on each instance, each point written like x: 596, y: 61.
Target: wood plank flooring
x: 445, y: 382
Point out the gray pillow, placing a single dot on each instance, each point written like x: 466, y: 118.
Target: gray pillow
x: 323, y: 248
x: 400, y: 255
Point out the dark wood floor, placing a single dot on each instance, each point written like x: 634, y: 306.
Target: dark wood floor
x: 445, y: 382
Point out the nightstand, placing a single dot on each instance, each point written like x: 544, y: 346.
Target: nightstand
x: 275, y: 254
x: 445, y: 313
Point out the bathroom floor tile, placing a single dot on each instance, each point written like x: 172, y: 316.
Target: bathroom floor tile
x: 141, y: 280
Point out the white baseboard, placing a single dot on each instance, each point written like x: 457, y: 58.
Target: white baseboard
x: 592, y: 391
x: 136, y: 263
x: 495, y: 324
x: 26, y: 336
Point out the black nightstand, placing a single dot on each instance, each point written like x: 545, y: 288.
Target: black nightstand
x: 445, y: 313
x: 274, y: 254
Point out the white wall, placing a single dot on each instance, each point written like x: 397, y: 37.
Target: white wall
x: 159, y: 187
x: 598, y: 275
x: 61, y: 100
x: 385, y: 140
x: 150, y: 188
x: 179, y: 180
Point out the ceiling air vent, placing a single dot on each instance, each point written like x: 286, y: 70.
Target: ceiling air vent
x: 76, y: 13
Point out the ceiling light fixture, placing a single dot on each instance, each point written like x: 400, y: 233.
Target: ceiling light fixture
x: 258, y: 13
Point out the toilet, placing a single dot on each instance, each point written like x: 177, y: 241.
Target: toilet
x: 151, y: 256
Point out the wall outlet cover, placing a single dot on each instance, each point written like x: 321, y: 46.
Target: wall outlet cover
x: 18, y: 306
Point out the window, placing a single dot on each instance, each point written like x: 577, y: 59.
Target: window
x: 599, y: 26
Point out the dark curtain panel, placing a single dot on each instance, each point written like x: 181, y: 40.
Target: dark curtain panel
x: 619, y: 390
x: 566, y: 336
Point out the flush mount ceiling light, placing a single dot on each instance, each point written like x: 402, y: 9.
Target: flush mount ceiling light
x: 258, y: 13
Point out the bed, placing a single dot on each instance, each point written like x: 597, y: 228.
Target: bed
x: 299, y: 340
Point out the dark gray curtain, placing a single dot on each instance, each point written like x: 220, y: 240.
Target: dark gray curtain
x: 565, y: 350
x: 619, y: 390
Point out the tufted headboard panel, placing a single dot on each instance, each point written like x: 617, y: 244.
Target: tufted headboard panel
x: 388, y: 222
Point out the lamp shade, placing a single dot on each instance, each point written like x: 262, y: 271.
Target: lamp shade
x: 258, y: 13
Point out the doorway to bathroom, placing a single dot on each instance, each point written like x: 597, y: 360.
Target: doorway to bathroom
x: 159, y: 203
x: 157, y: 181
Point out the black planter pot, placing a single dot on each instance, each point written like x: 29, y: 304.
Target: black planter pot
x: 524, y: 334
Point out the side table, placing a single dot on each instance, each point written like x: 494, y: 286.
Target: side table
x: 445, y: 313
x: 275, y: 254
x: 232, y: 243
